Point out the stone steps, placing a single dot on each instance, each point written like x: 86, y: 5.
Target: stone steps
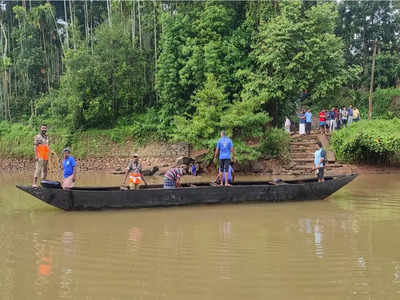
x: 302, y: 143
x: 302, y: 154
x: 302, y: 161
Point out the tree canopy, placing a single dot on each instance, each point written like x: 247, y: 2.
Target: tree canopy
x: 188, y: 69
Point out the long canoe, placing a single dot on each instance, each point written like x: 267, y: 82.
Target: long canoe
x: 91, y: 198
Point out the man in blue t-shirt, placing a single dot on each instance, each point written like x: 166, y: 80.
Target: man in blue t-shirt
x: 308, y: 121
x: 68, y: 165
x: 223, y: 151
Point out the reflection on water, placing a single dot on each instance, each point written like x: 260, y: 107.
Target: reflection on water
x: 345, y: 247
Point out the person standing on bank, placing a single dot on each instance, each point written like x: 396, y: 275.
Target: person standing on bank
x: 224, y: 151
x: 350, y: 115
x: 319, y: 162
x: 41, y: 150
x: 302, y: 122
x: 69, y: 167
x: 308, y: 121
x: 134, y: 170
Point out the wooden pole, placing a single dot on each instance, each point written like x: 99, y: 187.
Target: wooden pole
x: 371, y: 86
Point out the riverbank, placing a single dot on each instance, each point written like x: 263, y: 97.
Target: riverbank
x: 158, y: 166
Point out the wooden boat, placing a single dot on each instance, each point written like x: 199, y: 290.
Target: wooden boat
x: 87, y: 198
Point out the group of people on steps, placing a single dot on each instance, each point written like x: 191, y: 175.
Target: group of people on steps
x: 329, y: 120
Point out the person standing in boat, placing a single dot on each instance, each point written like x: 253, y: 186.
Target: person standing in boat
x: 224, y: 151
x: 41, y: 150
x: 134, y: 171
x: 172, y: 179
x: 319, y: 162
x: 69, y: 167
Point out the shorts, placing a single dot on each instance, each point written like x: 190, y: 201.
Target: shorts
x: 321, y: 173
x: 224, y: 165
x: 169, y: 184
x: 322, y: 123
x: 41, y: 169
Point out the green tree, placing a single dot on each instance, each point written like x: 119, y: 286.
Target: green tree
x: 242, y: 120
x: 295, y: 53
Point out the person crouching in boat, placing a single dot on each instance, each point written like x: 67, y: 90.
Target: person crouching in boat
x: 221, y: 175
x: 69, y: 167
x: 172, y: 179
x: 134, y: 171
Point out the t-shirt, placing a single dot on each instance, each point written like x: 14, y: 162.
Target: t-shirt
x: 322, y: 116
x: 41, y: 143
x: 41, y: 140
x: 356, y: 113
x: 194, y: 170
x: 336, y: 114
x: 224, y: 146
x: 134, y: 167
x: 302, y: 118
x: 332, y: 115
x: 350, y: 111
x: 174, y: 174
x: 317, y: 158
x: 308, y: 117
x: 344, y: 115
x: 68, y: 166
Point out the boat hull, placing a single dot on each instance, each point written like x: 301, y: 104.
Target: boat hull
x: 108, y: 198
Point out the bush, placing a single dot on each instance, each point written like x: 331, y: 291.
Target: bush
x: 376, y: 141
x: 275, y: 143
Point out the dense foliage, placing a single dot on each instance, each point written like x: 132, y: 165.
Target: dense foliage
x: 376, y: 141
x: 184, y: 70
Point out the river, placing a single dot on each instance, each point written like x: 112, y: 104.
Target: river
x: 344, y: 247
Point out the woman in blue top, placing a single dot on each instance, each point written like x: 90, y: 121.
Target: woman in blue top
x: 223, y: 151
x: 68, y: 165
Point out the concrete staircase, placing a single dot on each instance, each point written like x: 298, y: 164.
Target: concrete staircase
x: 302, y: 148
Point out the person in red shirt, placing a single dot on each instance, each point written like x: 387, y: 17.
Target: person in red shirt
x: 322, y: 121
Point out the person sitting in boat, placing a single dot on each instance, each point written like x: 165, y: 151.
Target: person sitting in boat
x: 69, y: 167
x: 134, y: 171
x: 221, y: 175
x: 224, y: 151
x: 172, y: 179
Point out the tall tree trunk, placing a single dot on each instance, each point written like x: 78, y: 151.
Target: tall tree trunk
x: 133, y: 23
x: 66, y: 21
x: 109, y: 11
x: 371, y: 85
x: 86, y: 22
x: 155, y: 43
x: 140, y: 26
x: 6, y: 99
x: 72, y: 17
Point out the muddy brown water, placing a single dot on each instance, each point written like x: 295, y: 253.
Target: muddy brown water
x: 344, y: 247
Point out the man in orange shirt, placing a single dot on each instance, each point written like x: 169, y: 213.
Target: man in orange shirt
x: 42, y: 151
